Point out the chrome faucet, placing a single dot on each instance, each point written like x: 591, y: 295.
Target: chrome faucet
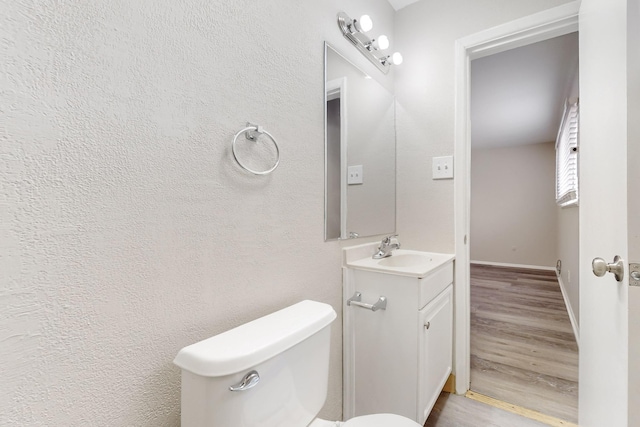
x: 385, y: 248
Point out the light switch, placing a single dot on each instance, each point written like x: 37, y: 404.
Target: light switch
x: 354, y: 175
x: 442, y: 167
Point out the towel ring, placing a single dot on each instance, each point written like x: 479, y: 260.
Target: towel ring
x: 252, y: 132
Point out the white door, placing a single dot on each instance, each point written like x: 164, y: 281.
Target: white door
x: 604, y: 337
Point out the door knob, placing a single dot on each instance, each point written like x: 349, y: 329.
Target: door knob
x: 600, y: 267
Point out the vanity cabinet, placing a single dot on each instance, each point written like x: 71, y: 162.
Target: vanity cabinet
x: 397, y: 360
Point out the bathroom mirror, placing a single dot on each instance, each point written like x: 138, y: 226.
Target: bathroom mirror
x: 360, y: 152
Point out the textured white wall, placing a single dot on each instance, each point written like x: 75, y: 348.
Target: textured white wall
x: 126, y: 230
x: 426, y: 32
x: 513, y: 209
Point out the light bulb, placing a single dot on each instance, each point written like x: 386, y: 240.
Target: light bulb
x: 396, y: 58
x: 366, y: 24
x: 383, y: 42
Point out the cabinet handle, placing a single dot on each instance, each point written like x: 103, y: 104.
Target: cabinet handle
x: 427, y: 325
x: 356, y: 299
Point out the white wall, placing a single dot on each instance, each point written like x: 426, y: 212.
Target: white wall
x: 568, y: 252
x: 426, y: 32
x: 127, y: 231
x: 513, y: 210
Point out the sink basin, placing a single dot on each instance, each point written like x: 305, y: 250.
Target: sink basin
x: 403, y: 262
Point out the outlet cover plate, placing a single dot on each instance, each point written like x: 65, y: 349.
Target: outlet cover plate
x: 442, y: 167
x: 354, y: 175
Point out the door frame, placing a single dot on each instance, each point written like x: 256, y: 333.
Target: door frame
x: 337, y: 89
x: 541, y: 26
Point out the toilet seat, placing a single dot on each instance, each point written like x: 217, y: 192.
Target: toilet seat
x: 381, y: 420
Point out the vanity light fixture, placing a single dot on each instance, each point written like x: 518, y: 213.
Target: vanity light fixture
x: 365, y: 24
x: 354, y: 29
x: 381, y: 43
x: 395, y: 59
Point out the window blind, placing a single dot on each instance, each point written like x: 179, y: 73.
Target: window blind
x: 567, y: 157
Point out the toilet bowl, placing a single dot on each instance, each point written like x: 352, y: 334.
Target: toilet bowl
x: 271, y: 372
x: 374, y: 420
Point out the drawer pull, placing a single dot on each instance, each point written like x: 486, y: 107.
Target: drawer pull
x: 427, y: 325
x: 356, y: 300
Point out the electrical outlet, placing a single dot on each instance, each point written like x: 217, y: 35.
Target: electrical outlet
x: 354, y: 175
x: 442, y: 167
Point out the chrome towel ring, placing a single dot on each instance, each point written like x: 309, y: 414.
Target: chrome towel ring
x: 252, y: 132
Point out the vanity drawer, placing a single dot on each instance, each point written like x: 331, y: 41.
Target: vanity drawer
x: 432, y: 285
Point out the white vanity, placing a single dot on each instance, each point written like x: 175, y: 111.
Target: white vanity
x: 398, y: 350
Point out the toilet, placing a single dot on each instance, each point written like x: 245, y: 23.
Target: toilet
x: 271, y: 372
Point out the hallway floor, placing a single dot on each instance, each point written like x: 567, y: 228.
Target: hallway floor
x: 452, y: 410
x: 523, y: 350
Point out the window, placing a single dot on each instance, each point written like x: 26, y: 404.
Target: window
x: 567, y: 157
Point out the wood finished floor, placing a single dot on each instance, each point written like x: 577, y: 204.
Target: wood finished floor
x: 452, y: 410
x: 523, y: 350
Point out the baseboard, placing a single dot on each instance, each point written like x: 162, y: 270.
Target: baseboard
x: 572, y: 316
x: 504, y: 264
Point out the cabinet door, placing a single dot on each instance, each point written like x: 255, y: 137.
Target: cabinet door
x: 436, y: 350
x: 385, y: 347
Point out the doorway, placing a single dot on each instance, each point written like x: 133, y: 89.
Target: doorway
x: 542, y: 26
x: 607, y: 350
x: 523, y: 349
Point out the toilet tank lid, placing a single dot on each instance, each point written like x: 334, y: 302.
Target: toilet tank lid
x: 252, y: 343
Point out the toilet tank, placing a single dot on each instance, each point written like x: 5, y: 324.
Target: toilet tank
x: 289, y: 350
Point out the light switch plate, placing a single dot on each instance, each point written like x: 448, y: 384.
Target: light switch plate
x: 442, y: 167
x: 354, y: 175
